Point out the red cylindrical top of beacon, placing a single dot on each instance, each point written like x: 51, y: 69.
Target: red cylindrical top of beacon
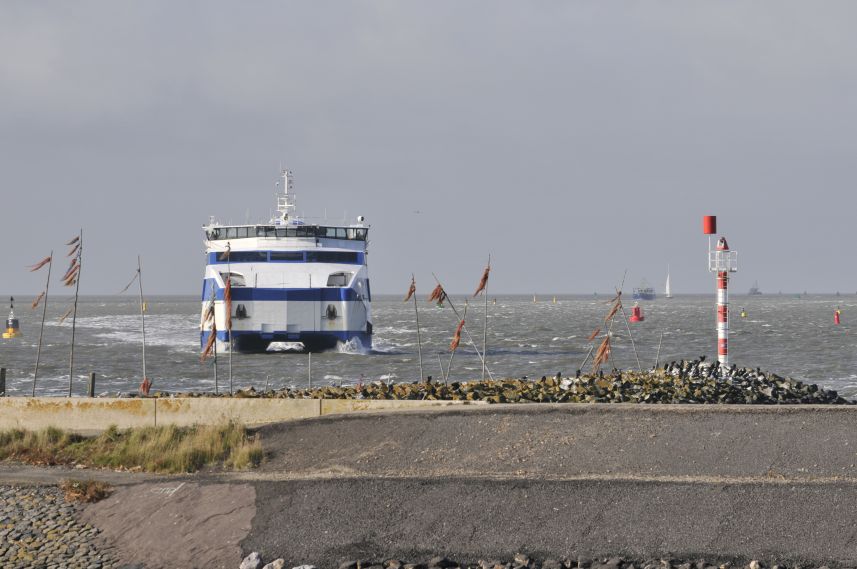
x: 709, y: 224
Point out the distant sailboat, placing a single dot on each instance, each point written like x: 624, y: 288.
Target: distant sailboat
x: 667, y: 290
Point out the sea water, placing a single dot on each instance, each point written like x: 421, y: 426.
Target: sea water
x: 787, y: 334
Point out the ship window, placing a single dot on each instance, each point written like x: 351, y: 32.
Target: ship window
x: 340, y: 233
x: 237, y: 279
x: 214, y: 234
x: 331, y: 257
x: 270, y: 232
x: 339, y: 279
x: 361, y: 234
x: 293, y: 256
x: 243, y: 232
x: 243, y: 257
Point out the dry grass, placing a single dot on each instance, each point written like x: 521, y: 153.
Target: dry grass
x: 85, y: 490
x: 167, y: 449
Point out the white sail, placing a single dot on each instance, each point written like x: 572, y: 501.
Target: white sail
x: 667, y: 290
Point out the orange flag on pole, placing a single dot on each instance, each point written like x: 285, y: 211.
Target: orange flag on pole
x: 483, y: 282
x: 227, y: 300
x: 40, y: 264
x: 212, y: 337
x: 412, y: 290
x: 457, y: 338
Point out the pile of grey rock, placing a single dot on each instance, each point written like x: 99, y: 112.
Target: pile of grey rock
x: 38, y: 528
x: 254, y: 561
x: 690, y: 381
x: 523, y: 561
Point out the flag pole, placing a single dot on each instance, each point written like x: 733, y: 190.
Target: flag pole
x: 419, y: 339
x: 214, y: 331
x: 74, y: 314
x: 485, y: 328
x: 452, y: 355
x: 227, y: 304
x: 42, y: 328
x: 142, y: 311
x: 466, y: 331
x: 631, y: 336
x: 440, y: 363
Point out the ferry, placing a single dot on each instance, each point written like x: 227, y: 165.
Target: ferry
x: 290, y: 281
x: 644, y: 292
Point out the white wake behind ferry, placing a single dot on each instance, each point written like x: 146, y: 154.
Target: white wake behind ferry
x: 291, y: 281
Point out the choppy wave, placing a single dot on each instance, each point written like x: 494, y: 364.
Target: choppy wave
x: 523, y: 339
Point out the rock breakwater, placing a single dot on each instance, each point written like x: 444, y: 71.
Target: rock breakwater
x: 38, y: 528
x: 694, y: 381
x: 523, y: 561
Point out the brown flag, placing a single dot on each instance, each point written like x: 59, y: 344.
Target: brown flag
x: 412, y: 290
x: 483, y: 282
x: 40, y: 264
x: 457, y: 338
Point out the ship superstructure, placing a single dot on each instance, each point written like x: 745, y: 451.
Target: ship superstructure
x: 644, y: 291
x: 290, y: 281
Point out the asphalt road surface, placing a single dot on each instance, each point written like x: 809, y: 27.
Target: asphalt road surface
x: 778, y: 484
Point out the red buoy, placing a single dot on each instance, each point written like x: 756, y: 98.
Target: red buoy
x: 709, y: 224
x: 636, y: 314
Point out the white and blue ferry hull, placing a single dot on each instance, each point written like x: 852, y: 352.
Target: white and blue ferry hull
x: 320, y: 318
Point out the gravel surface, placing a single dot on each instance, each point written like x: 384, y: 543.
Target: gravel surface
x: 39, y: 529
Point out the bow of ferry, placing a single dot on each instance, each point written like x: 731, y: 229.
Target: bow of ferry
x: 290, y: 281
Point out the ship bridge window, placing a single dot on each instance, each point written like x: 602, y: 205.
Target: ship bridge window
x: 333, y: 232
x: 356, y: 233
x: 339, y: 279
x: 243, y: 256
x: 236, y: 278
x: 349, y: 257
x: 350, y: 233
x: 297, y: 231
x: 293, y: 256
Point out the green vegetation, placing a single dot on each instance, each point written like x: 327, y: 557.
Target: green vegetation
x: 167, y: 449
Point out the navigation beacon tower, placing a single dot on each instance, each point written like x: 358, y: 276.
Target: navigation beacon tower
x: 721, y: 261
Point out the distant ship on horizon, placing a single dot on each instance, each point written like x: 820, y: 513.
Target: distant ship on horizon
x: 754, y: 290
x: 644, y: 291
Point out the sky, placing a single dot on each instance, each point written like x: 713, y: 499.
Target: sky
x: 570, y: 140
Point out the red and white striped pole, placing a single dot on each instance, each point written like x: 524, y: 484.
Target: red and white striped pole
x: 722, y: 309
x: 721, y: 261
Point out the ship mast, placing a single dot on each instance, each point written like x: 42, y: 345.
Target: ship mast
x: 286, y: 200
